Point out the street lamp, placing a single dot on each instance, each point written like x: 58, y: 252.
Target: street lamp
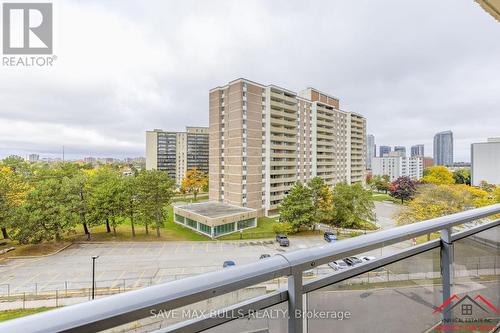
x: 93, y: 275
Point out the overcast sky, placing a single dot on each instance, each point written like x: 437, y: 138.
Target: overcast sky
x: 412, y: 68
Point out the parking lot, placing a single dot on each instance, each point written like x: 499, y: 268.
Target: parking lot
x: 137, y: 264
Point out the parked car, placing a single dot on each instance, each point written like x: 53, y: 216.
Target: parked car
x: 367, y: 258
x: 338, y: 265
x: 264, y: 256
x: 228, y: 263
x: 329, y: 236
x: 353, y: 261
x: 282, y: 239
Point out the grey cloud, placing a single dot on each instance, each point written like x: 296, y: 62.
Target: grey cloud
x: 412, y: 68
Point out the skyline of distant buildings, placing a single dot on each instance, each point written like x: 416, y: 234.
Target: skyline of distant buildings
x: 396, y: 165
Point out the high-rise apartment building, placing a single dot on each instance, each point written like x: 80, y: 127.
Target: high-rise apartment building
x: 396, y: 165
x: 371, y: 150
x: 264, y: 138
x: 443, y: 148
x: 401, y: 150
x: 177, y: 152
x: 383, y: 150
x: 485, y: 158
x: 417, y: 150
x: 33, y: 158
x: 89, y: 160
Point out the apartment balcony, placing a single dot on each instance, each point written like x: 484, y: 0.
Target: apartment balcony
x: 284, y: 163
x: 328, y: 137
x: 407, y: 288
x: 283, y: 130
x: 284, y: 106
x: 291, y: 146
x: 280, y: 188
x: 284, y: 122
x: 283, y: 179
x: 283, y: 97
x: 284, y: 155
x: 283, y: 138
x: 282, y: 172
x: 290, y: 115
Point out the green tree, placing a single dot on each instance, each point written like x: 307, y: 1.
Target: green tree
x: 80, y: 194
x: 106, y: 197
x: 403, y: 188
x: 282, y: 228
x: 154, y: 193
x: 322, y: 198
x: 297, y: 208
x: 381, y: 183
x: 352, y: 206
x: 438, y: 175
x: 130, y: 201
x: 462, y: 176
x: 46, y: 214
x: 434, y: 201
x: 194, y: 182
x: 12, y: 192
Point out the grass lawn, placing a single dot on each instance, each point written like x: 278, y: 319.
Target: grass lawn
x: 169, y: 232
x: 12, y: 314
x: 200, y: 197
x: 376, y: 196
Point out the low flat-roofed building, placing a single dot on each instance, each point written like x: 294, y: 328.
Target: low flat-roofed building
x: 214, y: 219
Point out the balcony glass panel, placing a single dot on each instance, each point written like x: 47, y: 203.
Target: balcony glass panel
x: 399, y: 297
x: 477, y: 281
x: 270, y: 320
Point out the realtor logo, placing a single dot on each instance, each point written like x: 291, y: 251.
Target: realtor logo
x: 466, y: 305
x: 27, y: 28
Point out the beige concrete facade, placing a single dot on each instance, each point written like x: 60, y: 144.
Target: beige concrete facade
x: 263, y: 139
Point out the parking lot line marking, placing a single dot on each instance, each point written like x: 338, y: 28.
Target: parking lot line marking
x: 117, y: 280
x: 130, y: 248
x: 23, y: 284
x: 138, y: 279
x: 162, y: 249
x: 206, y: 248
x: 192, y: 248
x: 49, y: 281
x: 176, y: 249
x: 146, y: 249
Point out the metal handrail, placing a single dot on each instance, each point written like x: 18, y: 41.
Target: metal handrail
x: 120, y: 309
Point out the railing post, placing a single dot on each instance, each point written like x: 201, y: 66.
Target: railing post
x: 295, y: 303
x: 447, y: 270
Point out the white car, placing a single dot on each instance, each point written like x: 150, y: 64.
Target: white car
x: 367, y: 258
x: 338, y: 265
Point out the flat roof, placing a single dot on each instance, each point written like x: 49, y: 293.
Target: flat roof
x: 212, y: 209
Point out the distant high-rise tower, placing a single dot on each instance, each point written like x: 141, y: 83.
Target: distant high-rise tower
x: 384, y: 150
x: 177, y: 152
x: 400, y: 149
x: 371, y: 150
x: 443, y: 148
x: 417, y: 150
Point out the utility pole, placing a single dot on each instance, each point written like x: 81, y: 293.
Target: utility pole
x: 93, y: 275
x: 63, y: 154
